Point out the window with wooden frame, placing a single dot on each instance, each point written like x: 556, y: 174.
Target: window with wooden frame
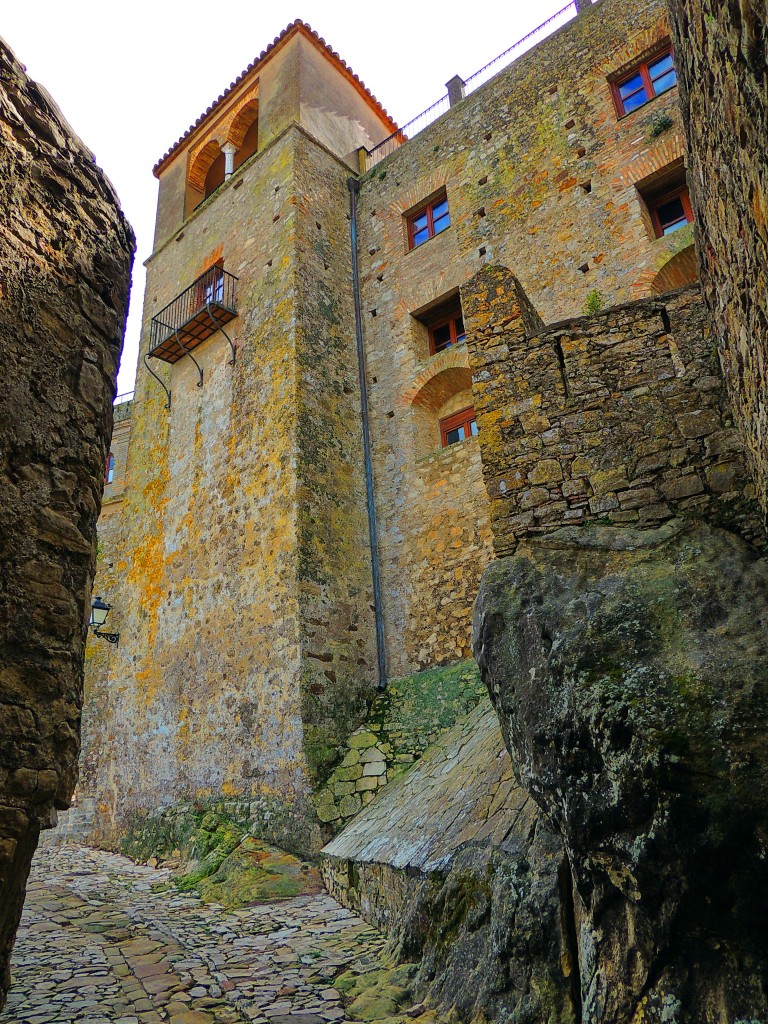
x: 211, y: 284
x: 644, y: 81
x: 428, y: 220
x: 670, y: 211
x: 445, y: 324
x: 458, y: 427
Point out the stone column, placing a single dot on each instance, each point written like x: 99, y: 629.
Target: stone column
x: 229, y: 150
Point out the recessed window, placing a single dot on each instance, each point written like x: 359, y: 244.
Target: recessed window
x: 109, y: 474
x: 644, y: 81
x: 458, y: 427
x: 671, y: 211
x: 429, y: 220
x: 445, y: 324
x: 449, y: 332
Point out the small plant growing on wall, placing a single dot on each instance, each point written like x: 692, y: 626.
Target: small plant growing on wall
x: 659, y: 124
x: 594, y: 303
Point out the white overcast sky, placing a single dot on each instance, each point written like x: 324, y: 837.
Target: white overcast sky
x: 130, y: 78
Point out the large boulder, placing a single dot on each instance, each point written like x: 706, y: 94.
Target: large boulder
x: 629, y: 672
x: 65, y: 266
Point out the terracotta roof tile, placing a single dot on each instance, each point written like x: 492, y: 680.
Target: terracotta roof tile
x: 295, y: 26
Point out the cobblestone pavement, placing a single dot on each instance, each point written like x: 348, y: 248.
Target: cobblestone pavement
x: 98, y: 945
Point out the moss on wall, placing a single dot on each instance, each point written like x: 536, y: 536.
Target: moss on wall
x: 404, y: 720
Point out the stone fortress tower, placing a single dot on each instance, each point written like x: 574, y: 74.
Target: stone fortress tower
x: 235, y: 539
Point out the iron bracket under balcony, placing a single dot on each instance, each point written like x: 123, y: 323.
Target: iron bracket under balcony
x: 199, y: 311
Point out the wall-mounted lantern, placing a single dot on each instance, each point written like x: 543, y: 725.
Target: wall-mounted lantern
x: 99, y: 612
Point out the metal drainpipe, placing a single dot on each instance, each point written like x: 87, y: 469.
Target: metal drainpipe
x: 354, y: 187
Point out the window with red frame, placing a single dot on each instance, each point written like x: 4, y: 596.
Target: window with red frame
x: 109, y: 472
x: 446, y: 326
x: 428, y: 221
x: 458, y: 427
x: 670, y: 211
x: 643, y: 82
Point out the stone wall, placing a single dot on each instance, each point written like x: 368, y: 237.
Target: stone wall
x: 722, y: 64
x: 245, y: 655
x: 404, y: 721
x: 542, y: 175
x: 121, y: 436
x: 621, y: 417
x: 65, y: 261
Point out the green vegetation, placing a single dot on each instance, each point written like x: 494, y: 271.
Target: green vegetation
x: 414, y: 711
x: 594, y: 303
x: 659, y: 124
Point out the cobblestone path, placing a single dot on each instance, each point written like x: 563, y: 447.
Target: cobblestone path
x: 98, y: 945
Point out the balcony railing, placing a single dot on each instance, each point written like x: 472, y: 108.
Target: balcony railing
x: 199, y: 311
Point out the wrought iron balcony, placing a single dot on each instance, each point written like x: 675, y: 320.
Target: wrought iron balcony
x: 194, y: 315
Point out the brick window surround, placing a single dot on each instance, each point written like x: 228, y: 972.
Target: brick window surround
x: 428, y: 220
x: 109, y: 472
x: 671, y: 211
x: 647, y: 79
x: 458, y: 427
x: 445, y: 324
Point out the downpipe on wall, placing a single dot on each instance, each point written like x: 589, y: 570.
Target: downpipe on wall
x: 354, y: 186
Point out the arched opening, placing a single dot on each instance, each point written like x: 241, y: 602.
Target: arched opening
x: 244, y: 133
x: 214, y: 177
x: 205, y: 175
x: 441, y: 412
x: 677, y: 272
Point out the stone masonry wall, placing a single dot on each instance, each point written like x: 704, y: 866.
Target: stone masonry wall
x: 723, y: 48
x: 243, y: 645
x: 404, y: 721
x: 541, y: 175
x: 121, y: 436
x: 65, y: 262
x: 621, y: 417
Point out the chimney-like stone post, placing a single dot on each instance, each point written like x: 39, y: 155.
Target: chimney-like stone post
x: 455, y: 90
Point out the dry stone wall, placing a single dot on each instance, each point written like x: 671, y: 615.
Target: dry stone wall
x: 621, y: 417
x: 404, y: 721
x: 65, y: 262
x: 722, y: 47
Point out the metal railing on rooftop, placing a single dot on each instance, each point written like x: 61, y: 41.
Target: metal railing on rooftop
x: 431, y: 114
x: 126, y: 396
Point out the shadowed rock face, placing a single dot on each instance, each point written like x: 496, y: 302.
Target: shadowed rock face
x: 65, y: 262
x: 630, y: 676
x: 721, y: 49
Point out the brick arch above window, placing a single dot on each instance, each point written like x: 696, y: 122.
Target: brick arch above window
x: 201, y: 164
x: 639, y: 46
x: 417, y: 193
x: 244, y: 119
x: 670, y: 150
x: 447, y: 374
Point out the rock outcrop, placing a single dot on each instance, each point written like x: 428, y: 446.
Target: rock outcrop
x: 455, y: 863
x: 65, y: 262
x: 721, y: 52
x: 629, y: 671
